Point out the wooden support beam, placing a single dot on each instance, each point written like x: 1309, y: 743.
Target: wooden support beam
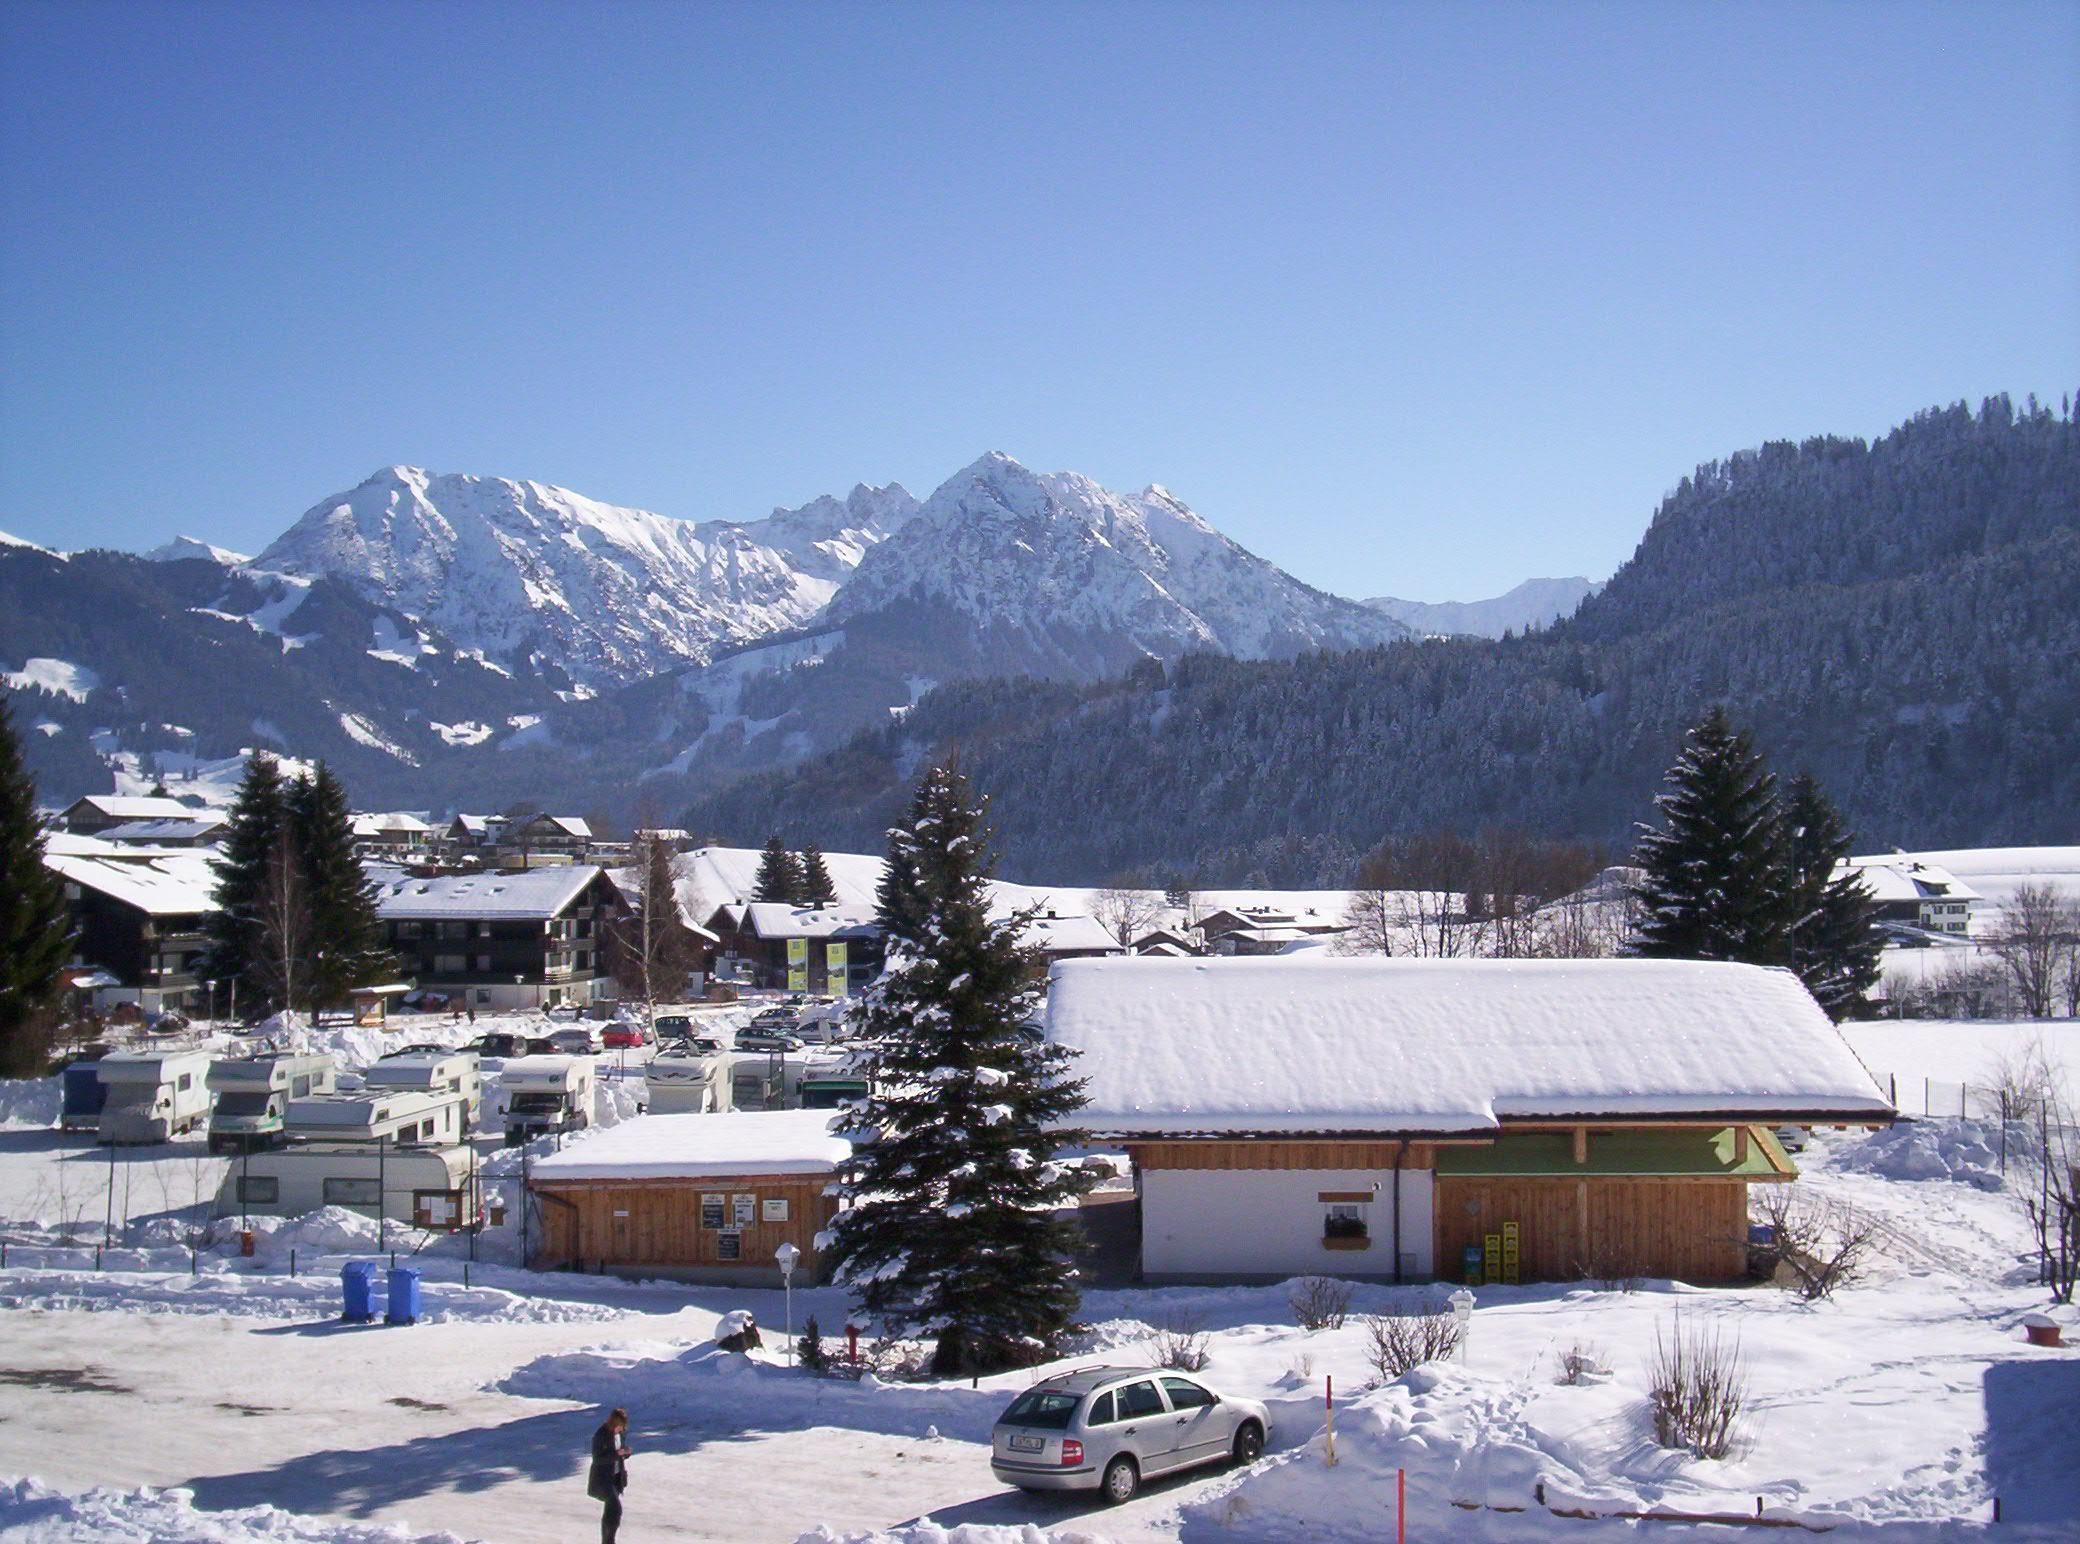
x: 1581, y: 1144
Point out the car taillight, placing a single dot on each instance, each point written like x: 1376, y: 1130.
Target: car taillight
x: 1072, y: 1452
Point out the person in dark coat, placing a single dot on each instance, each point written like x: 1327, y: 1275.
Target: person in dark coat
x: 608, y: 1477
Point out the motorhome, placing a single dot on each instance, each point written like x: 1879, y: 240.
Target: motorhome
x: 387, y: 1116
x: 152, y: 1096
x: 546, y: 1094
x: 253, y: 1095
x: 428, y: 1187
x: 686, y: 1082
x: 774, y: 1080
x: 452, y: 1072
x: 83, y: 1096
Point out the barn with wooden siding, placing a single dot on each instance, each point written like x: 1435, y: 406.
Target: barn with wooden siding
x: 705, y: 1198
x: 1406, y: 1120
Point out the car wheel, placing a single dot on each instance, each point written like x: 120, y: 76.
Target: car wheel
x: 1122, y: 1479
x: 1249, y: 1443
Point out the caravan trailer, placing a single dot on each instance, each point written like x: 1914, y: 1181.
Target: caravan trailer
x: 390, y: 1117
x: 152, y: 1097
x: 253, y: 1097
x: 84, y: 1095
x: 546, y: 1094
x: 686, y: 1083
x: 451, y: 1072
x: 428, y: 1187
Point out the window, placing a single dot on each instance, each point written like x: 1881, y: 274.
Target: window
x: 405, y: 931
x: 483, y: 930
x: 1047, y: 1409
x: 1344, y: 1219
x: 187, y: 1082
x: 353, y: 1192
x: 483, y: 964
x: 1185, y: 1394
x: 1139, y: 1399
x: 300, y: 1087
x: 1101, y: 1411
x: 454, y: 930
x: 259, y: 1189
x: 450, y: 964
x: 483, y: 994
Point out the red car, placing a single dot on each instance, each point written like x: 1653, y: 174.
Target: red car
x: 624, y: 1037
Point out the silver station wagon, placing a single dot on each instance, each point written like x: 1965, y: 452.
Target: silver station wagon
x: 1110, y: 1428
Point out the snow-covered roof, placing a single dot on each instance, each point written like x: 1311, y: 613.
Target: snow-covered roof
x: 569, y: 825
x: 696, y: 1146
x: 391, y: 822
x: 1904, y: 878
x: 136, y: 807
x: 479, y: 825
x: 177, y: 883
x: 1317, y: 1043
x: 1069, y: 935
x: 196, y: 825
x: 777, y: 919
x: 538, y: 892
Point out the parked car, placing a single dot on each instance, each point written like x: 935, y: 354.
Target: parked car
x: 539, y: 1045
x: 422, y: 1048
x: 673, y: 1026
x: 501, y: 1043
x: 1110, y: 1428
x: 624, y: 1037
x: 766, y: 1039
x: 578, y: 1040
x: 1791, y: 1138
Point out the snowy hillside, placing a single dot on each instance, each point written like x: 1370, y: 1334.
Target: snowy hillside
x: 1534, y: 603
x: 1080, y: 580
x: 182, y: 548
x: 530, y: 574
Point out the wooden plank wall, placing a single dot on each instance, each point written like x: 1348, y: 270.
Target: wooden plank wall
x: 1692, y: 1230
x: 663, y: 1221
x: 1278, y: 1155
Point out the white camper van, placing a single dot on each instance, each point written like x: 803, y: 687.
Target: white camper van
x: 546, y: 1094
x: 392, y: 1117
x: 253, y: 1097
x: 686, y: 1083
x: 153, y: 1097
x: 428, y: 1187
x: 449, y: 1072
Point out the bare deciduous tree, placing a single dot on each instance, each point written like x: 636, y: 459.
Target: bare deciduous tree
x: 1126, y: 912
x: 2031, y: 944
x: 280, y: 964
x: 1821, y: 1243
x: 652, y: 949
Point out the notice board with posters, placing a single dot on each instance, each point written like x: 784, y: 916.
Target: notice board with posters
x: 713, y: 1210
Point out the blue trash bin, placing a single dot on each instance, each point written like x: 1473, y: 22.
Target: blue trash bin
x: 404, y: 1296
x: 357, y: 1281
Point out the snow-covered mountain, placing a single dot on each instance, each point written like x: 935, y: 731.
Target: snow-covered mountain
x: 182, y: 548
x: 535, y: 576
x: 1535, y: 602
x: 1065, y: 578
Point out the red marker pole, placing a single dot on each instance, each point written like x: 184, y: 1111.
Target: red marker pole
x: 1400, y: 1506
x: 1329, y: 1407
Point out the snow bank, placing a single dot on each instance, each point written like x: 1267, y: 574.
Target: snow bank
x: 28, y: 1104
x: 33, y: 1513
x: 1967, y: 1151
x: 925, y: 1531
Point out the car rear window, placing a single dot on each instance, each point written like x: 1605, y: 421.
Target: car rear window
x: 1044, y: 1408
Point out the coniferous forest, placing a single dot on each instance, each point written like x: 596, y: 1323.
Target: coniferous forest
x: 1895, y: 618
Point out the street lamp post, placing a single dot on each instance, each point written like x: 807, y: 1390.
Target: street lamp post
x: 786, y: 1256
x: 1462, y: 1314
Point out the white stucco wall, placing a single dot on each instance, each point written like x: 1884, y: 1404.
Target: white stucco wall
x: 1268, y: 1222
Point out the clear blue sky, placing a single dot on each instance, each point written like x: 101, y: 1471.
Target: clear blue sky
x: 1409, y: 299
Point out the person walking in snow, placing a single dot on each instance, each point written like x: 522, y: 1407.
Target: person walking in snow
x: 608, y: 1477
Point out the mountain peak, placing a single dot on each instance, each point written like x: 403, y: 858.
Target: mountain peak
x: 182, y: 548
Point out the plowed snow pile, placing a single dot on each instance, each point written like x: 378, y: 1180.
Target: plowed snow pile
x: 32, y: 1513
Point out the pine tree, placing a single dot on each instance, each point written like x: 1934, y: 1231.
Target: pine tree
x: 35, y: 928
x: 817, y: 889
x: 951, y: 1231
x: 1832, y: 920
x: 256, y: 828
x: 779, y: 875
x: 338, y: 897
x: 1715, y: 885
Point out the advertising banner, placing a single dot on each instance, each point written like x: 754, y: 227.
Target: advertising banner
x: 834, y: 967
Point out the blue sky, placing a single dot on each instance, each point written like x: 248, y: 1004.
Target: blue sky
x: 1409, y: 299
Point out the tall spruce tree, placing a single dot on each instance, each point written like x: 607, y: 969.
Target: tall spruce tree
x: 338, y: 897
x: 817, y: 888
x: 779, y: 875
x: 253, y: 833
x: 951, y: 1230
x: 35, y: 928
x: 1832, y: 920
x: 1715, y: 886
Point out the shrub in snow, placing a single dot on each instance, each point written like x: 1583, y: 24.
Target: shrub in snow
x: 1698, y: 1390
x: 1181, y: 1342
x: 1320, y: 1302
x: 1398, y: 1343
x: 1583, y: 1363
x: 809, y: 1350
x: 1820, y: 1244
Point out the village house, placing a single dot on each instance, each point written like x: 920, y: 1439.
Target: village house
x: 472, y: 836
x: 1408, y: 1120
x: 530, y: 939
x: 1055, y: 937
x: 1914, y: 894
x: 1262, y: 929
x: 701, y: 1198
x: 833, y: 950
x: 540, y: 838
x: 96, y: 812
x: 392, y: 836
x: 198, y: 828
x: 140, y: 916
